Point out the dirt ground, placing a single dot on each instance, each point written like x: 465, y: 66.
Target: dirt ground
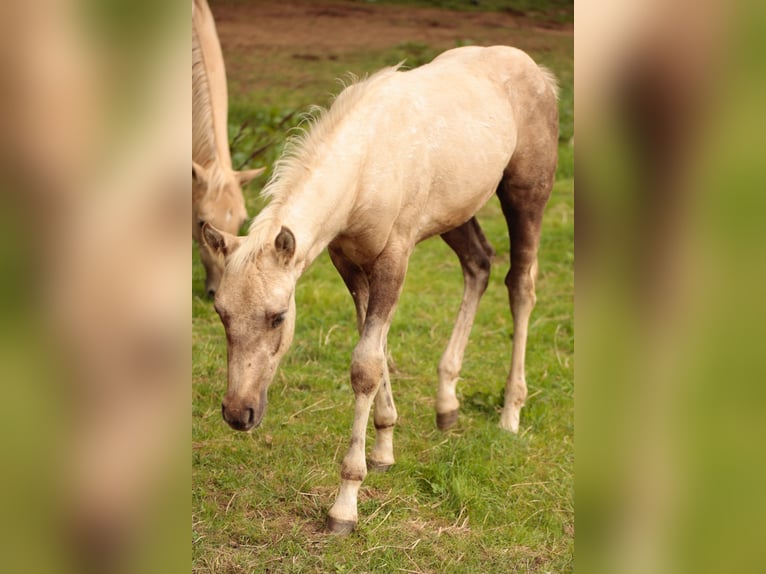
x: 265, y: 40
x: 342, y: 26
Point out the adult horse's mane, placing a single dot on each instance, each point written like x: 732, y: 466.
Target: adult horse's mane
x: 302, y: 149
x: 202, y: 110
x: 204, y: 140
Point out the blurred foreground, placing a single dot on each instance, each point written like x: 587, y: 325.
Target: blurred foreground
x: 669, y: 287
x: 95, y: 337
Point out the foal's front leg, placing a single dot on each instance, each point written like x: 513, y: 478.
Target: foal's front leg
x: 368, y: 372
x: 382, y: 455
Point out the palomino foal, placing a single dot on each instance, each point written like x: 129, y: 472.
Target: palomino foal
x: 399, y: 157
x: 216, y: 187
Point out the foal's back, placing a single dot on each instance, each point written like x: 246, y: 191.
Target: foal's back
x: 440, y: 137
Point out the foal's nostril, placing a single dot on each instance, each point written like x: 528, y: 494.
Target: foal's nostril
x: 241, y: 419
x: 211, y: 293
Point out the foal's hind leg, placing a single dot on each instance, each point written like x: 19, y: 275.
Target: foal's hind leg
x: 475, y: 254
x: 382, y: 454
x: 523, y: 209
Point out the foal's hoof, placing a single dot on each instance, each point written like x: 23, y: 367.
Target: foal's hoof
x: 446, y: 420
x: 339, y: 527
x: 378, y: 466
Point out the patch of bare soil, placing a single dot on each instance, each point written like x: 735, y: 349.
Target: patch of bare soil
x: 340, y: 26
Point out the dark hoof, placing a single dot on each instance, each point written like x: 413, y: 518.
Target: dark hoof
x: 339, y: 527
x: 446, y: 420
x: 378, y: 466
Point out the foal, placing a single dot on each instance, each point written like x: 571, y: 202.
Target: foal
x: 399, y: 157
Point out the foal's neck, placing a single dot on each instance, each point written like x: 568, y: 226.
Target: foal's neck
x: 315, y: 214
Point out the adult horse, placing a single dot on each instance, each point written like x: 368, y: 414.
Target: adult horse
x: 398, y: 158
x: 216, y: 187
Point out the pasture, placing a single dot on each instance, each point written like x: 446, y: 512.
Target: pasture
x: 473, y: 499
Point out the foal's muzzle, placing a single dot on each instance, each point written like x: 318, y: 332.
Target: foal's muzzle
x: 242, y: 417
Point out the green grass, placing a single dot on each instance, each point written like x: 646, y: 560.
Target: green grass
x: 475, y: 499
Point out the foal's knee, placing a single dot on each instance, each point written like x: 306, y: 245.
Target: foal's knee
x: 367, y: 369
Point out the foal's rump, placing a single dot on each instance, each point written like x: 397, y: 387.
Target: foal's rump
x: 447, y: 131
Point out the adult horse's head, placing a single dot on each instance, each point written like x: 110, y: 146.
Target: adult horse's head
x: 256, y: 303
x: 217, y: 200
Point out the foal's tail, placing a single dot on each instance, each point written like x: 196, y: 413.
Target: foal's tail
x: 550, y: 80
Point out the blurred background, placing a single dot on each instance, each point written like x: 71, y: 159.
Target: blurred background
x: 95, y: 329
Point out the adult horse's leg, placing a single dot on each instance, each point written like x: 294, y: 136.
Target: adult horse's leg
x: 475, y: 254
x: 523, y: 209
x: 382, y: 454
x: 368, y: 371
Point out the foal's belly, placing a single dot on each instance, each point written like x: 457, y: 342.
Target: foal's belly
x: 457, y: 194
x: 450, y: 210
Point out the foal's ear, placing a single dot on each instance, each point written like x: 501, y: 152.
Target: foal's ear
x: 285, y: 245
x: 249, y: 175
x: 219, y: 241
x: 199, y: 173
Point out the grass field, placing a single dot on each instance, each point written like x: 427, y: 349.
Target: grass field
x: 474, y: 499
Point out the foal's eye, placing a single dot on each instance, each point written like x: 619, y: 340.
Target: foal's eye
x: 277, y: 320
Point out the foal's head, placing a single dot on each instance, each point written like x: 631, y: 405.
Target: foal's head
x: 256, y: 303
x: 217, y: 199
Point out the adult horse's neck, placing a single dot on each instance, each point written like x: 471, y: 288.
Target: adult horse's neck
x: 210, y: 96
